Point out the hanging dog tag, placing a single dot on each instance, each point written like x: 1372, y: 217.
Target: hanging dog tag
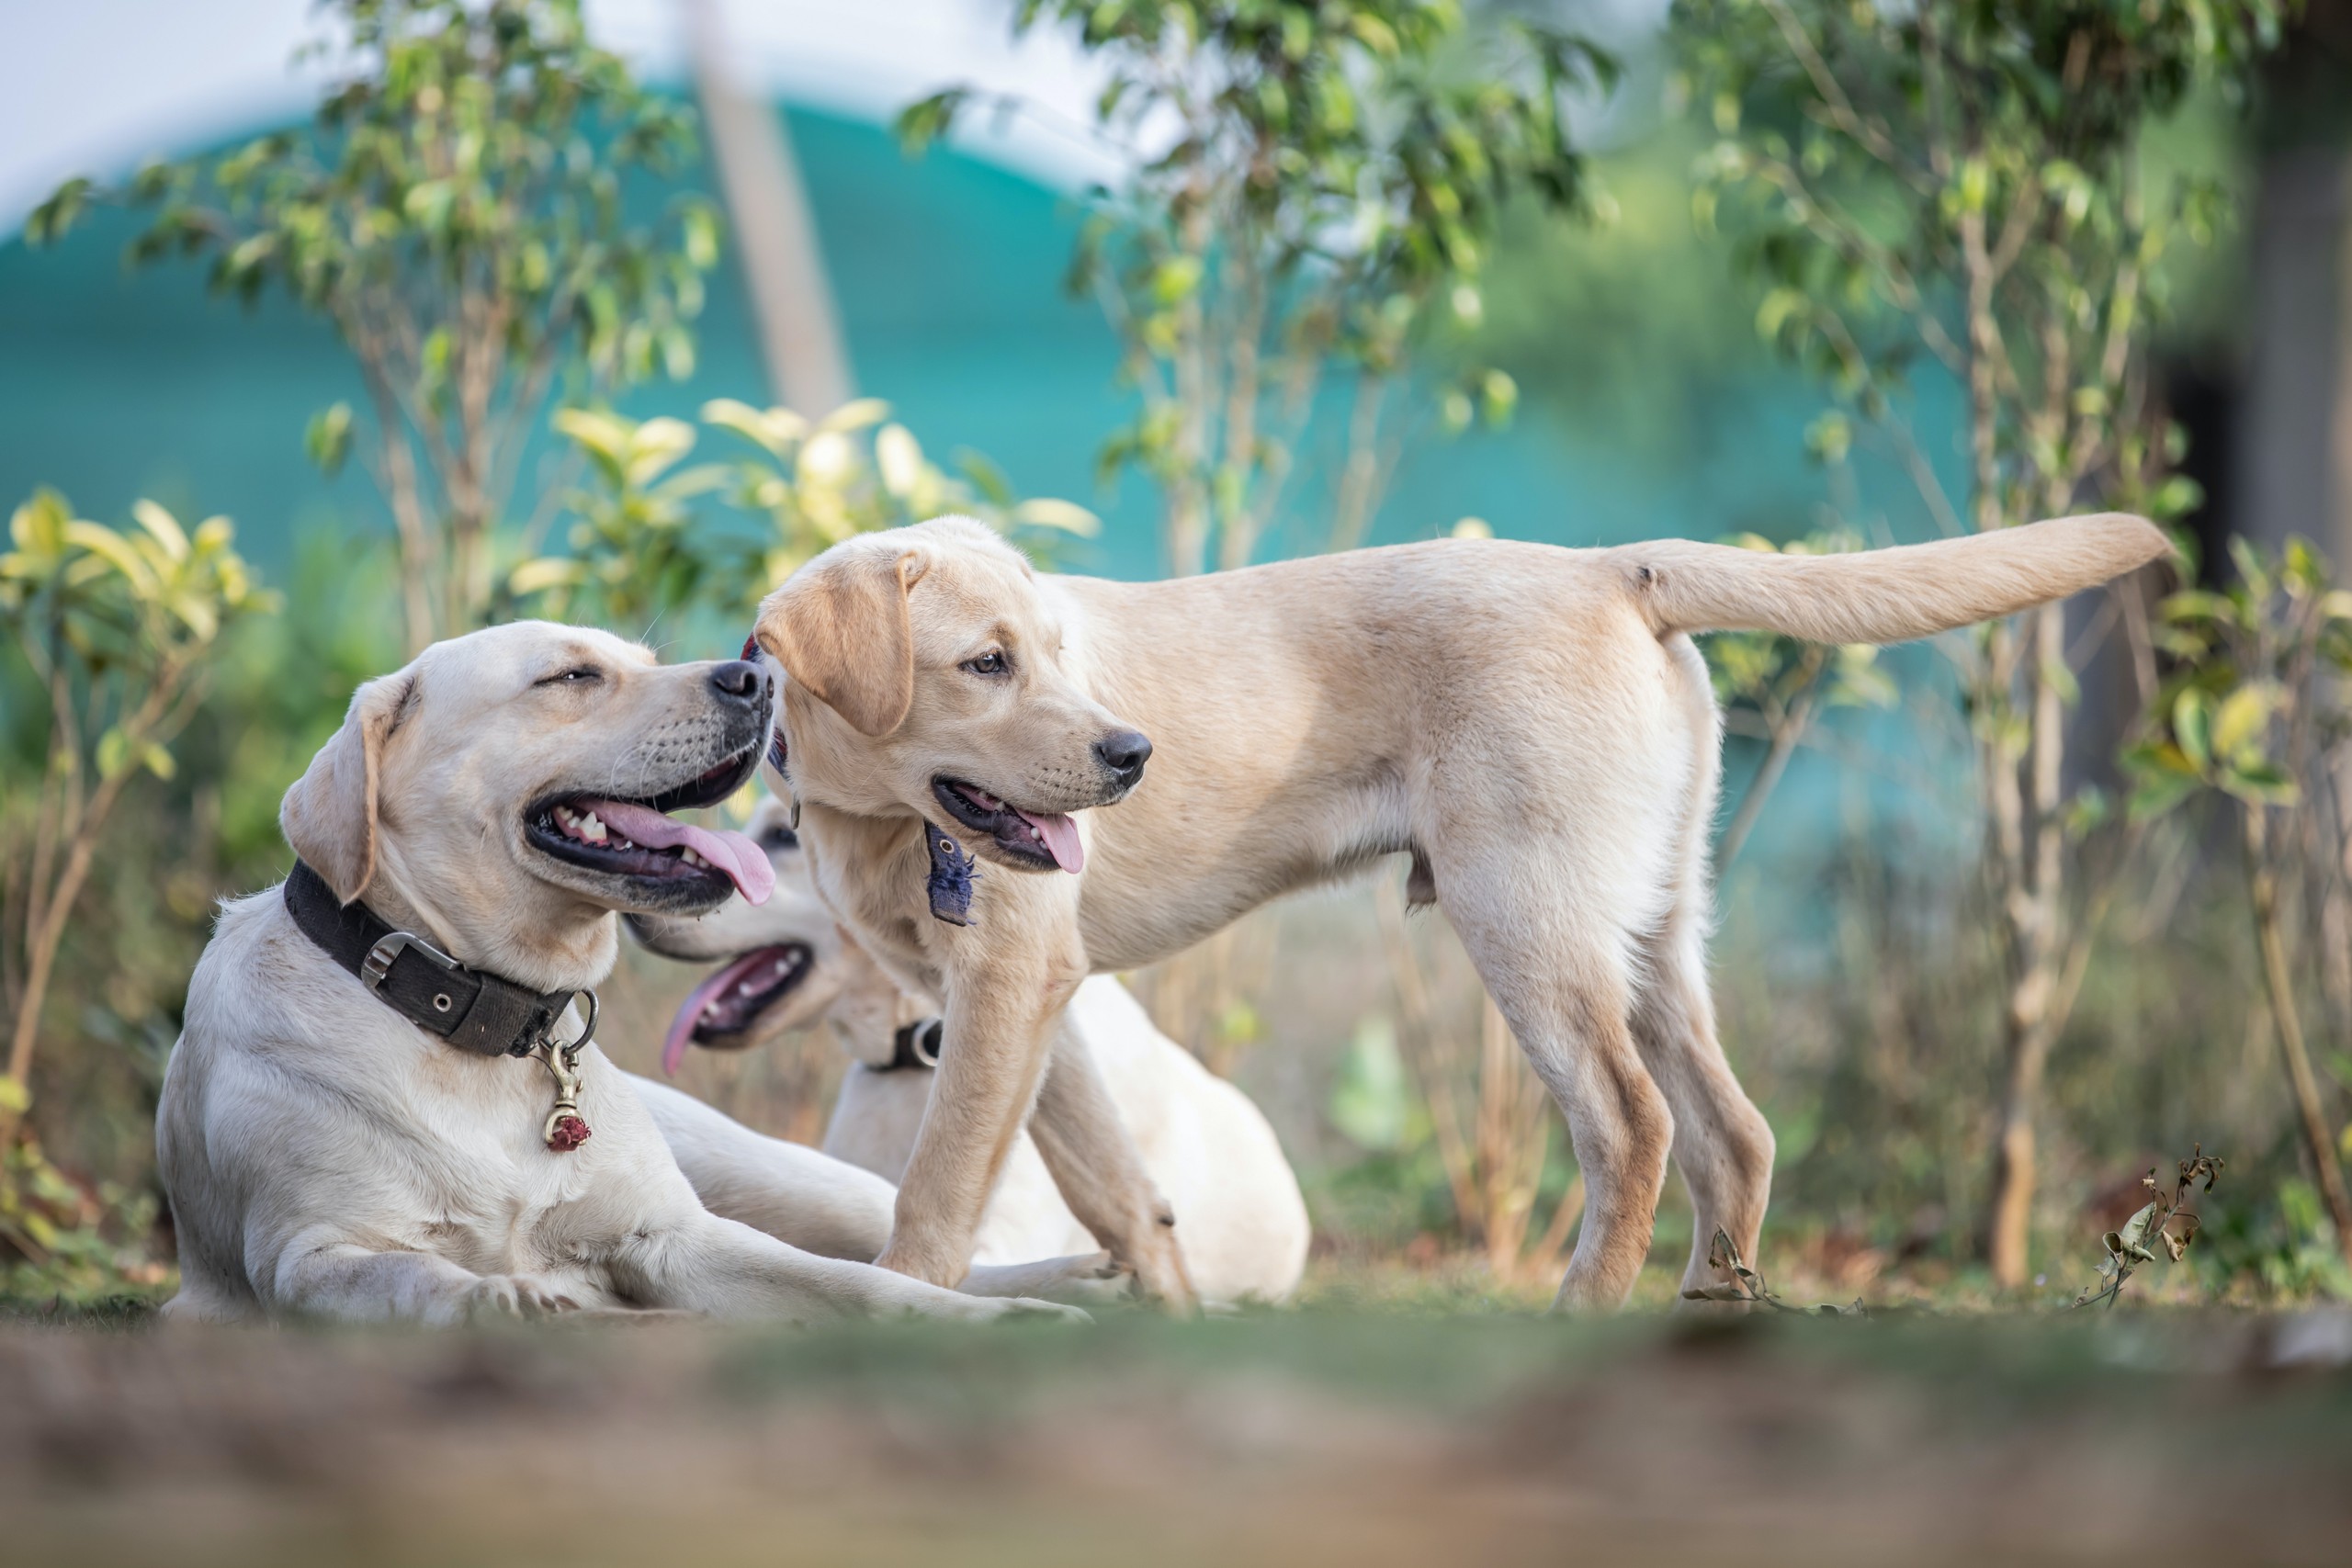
x: 952, y: 875
x: 566, y: 1129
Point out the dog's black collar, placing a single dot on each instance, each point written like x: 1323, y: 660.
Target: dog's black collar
x: 915, y: 1045
x: 471, y: 1010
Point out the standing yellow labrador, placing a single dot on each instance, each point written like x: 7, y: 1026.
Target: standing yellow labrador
x: 1531, y: 725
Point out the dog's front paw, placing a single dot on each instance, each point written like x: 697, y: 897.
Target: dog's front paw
x: 1094, y: 1280
x: 516, y: 1295
x: 1030, y: 1306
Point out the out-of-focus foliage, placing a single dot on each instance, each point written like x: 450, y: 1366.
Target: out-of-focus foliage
x: 2239, y: 714
x: 2255, y: 708
x: 640, y: 546
x: 1771, y: 675
x: 1324, y: 182
x: 1772, y: 687
x: 458, y: 213
x: 60, y: 1241
x: 112, y: 631
x: 1965, y: 184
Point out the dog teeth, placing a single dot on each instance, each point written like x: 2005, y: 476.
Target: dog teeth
x: 694, y: 860
x: 581, y: 824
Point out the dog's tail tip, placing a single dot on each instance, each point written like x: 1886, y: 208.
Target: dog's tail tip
x: 2131, y: 539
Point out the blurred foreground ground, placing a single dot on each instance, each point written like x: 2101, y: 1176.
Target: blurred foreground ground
x: 1325, y: 1435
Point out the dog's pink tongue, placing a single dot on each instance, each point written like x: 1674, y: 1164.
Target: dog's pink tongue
x: 681, y: 1028
x: 745, y: 863
x: 1060, y: 834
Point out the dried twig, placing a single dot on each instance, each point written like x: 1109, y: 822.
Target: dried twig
x: 1747, y: 1285
x: 2129, y: 1247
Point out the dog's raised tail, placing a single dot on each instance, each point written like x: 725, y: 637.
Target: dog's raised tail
x: 1890, y: 595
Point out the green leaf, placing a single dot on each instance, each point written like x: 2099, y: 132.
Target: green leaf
x: 1044, y: 512
x: 2154, y: 794
x: 49, y: 221
x: 163, y: 526
x: 2244, y: 715
x: 2196, y: 603
x: 328, y: 438
x: 538, y: 575
x: 2263, y: 783
x: 114, y: 753
x: 41, y: 525
x: 2192, y: 726
x: 855, y: 414
x: 1372, y: 1101
x: 117, y: 552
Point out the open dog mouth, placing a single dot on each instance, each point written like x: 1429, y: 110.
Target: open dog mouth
x: 723, y: 1009
x: 637, y: 838
x: 1040, y: 840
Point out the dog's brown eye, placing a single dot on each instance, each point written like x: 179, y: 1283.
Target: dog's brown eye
x: 573, y: 676
x: 990, y: 663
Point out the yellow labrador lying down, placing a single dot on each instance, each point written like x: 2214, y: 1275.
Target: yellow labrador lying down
x: 386, y: 1103
x: 784, y: 964
x: 1531, y: 726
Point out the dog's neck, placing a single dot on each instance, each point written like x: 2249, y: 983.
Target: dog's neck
x: 553, y: 940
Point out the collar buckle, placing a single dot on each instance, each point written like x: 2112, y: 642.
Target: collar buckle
x: 379, y: 959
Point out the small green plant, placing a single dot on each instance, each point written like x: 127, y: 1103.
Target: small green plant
x: 1333, y: 175
x: 2166, y: 1222
x: 65, y: 1243
x: 2245, y: 718
x: 458, y: 213
x: 115, y: 629
x: 639, y: 547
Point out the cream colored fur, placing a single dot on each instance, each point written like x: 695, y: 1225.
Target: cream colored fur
x: 323, y: 1156
x: 1210, y: 1151
x: 1533, y: 725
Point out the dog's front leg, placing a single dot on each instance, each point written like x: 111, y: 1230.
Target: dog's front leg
x: 322, y: 1277
x: 1094, y: 1162
x: 1006, y: 982
x: 709, y: 1265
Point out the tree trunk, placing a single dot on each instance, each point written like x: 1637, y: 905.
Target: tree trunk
x: 776, y: 235
x: 2033, y: 910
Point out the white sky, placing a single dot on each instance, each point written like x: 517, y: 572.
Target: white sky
x: 96, y: 86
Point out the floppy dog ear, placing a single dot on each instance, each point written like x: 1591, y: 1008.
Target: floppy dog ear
x: 329, y: 813
x: 841, y: 628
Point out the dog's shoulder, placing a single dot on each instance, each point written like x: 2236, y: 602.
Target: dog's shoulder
x: 261, y: 981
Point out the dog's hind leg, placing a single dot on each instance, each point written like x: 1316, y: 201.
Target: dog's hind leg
x: 1722, y: 1144
x: 1567, y: 995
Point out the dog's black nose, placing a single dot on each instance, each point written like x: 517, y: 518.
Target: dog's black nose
x: 1123, y: 751
x: 738, y: 681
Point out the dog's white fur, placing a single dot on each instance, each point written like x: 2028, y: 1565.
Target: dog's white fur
x: 1533, y: 725
x: 1211, y: 1152
x: 324, y: 1155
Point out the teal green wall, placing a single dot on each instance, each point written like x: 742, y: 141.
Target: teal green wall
x: 948, y: 271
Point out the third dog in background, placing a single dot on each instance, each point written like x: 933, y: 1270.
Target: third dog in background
x: 786, y: 966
